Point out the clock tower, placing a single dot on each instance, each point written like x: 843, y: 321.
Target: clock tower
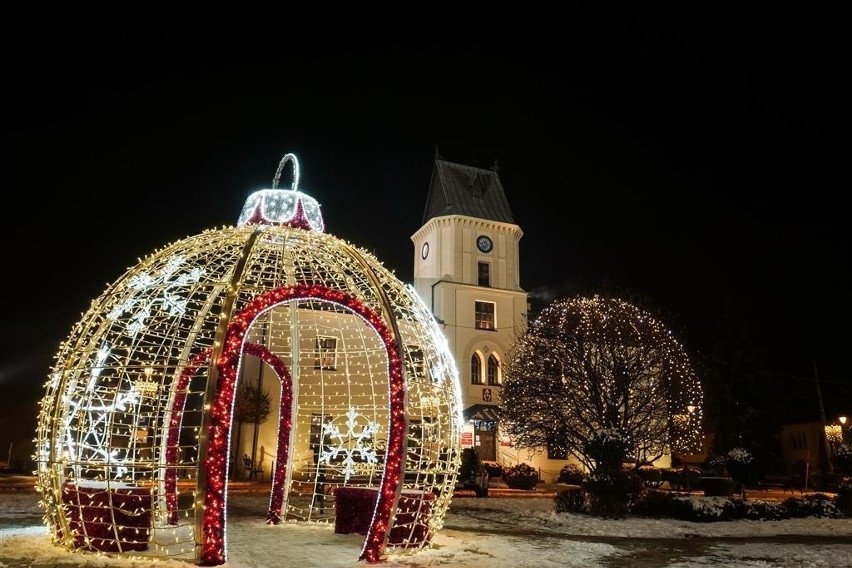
x: 466, y: 270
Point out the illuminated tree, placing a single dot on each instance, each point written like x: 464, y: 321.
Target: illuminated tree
x: 587, y: 364
x: 251, y: 404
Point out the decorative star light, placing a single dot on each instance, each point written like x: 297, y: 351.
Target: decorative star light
x: 351, y: 443
x: 170, y: 302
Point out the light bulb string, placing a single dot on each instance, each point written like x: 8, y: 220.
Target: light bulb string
x: 281, y: 164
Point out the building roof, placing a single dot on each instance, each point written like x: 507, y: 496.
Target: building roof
x: 456, y: 189
x: 487, y: 412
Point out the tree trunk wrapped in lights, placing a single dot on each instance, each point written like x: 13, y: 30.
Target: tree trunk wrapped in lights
x: 588, y: 364
x: 607, y: 483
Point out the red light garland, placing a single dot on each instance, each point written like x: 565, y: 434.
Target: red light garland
x: 285, y: 424
x: 213, y: 538
x: 173, y: 435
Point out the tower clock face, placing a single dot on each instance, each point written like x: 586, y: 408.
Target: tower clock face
x: 424, y: 251
x: 484, y: 244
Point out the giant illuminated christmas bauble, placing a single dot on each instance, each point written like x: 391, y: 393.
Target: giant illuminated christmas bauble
x: 137, y: 440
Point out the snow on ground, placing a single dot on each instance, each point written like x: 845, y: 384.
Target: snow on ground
x: 478, y: 533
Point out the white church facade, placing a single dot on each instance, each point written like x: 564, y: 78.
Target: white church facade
x: 467, y: 271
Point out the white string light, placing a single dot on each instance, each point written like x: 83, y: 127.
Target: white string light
x: 125, y: 403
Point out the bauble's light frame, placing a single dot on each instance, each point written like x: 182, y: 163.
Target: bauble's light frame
x: 138, y: 408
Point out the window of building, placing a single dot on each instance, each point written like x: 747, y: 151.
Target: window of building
x: 484, y: 274
x: 475, y: 369
x: 484, y: 315
x: 494, y: 376
x: 798, y: 441
x: 326, y: 353
x: 556, y: 452
x: 484, y: 426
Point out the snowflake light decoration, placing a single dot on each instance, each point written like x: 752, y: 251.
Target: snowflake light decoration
x: 171, y: 302
x: 356, y: 441
x: 90, y: 416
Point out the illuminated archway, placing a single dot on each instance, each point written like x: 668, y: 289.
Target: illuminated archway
x: 215, y: 465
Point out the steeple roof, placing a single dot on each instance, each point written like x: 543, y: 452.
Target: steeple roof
x: 456, y: 189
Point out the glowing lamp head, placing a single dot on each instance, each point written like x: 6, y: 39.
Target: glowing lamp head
x: 287, y: 207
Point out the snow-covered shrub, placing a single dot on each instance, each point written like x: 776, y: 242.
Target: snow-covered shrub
x: 571, y: 474
x: 742, y: 467
x: 654, y: 504
x: 571, y: 500
x: 756, y: 510
x: 662, y: 504
x: 608, y: 494
x: 843, y: 500
x: 715, y: 509
x: 494, y: 469
x: 705, y: 509
x: 813, y: 505
x: 843, y: 459
x: 715, y: 465
x: 520, y: 476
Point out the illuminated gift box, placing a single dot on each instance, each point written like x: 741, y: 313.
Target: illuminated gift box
x: 355, y: 507
x: 107, y: 517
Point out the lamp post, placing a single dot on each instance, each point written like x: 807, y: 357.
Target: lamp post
x: 828, y: 449
x: 835, y: 437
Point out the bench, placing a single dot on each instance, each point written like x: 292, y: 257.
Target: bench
x: 251, y: 469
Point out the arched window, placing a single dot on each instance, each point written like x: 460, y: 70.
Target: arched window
x: 494, y: 375
x: 475, y: 369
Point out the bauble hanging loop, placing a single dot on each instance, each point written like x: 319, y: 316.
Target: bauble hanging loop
x: 288, y: 207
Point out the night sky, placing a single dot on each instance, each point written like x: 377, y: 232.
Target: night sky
x: 691, y: 158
